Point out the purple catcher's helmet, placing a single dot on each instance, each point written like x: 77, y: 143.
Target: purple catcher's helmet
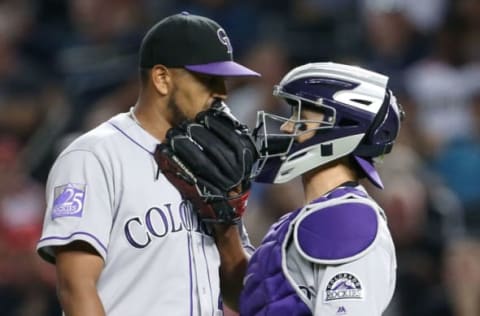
x: 361, y: 118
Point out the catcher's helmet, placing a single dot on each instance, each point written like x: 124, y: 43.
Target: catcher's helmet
x: 360, y: 117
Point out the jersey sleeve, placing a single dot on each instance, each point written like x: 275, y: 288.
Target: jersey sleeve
x: 79, y: 204
x: 361, y: 287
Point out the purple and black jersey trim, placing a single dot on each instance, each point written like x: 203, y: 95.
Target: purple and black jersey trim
x: 46, y: 252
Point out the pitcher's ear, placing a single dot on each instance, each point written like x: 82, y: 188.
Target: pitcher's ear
x: 161, y: 79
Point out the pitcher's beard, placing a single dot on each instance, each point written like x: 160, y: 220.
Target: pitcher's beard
x: 177, y: 115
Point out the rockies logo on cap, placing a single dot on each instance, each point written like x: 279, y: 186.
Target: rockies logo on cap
x: 222, y: 36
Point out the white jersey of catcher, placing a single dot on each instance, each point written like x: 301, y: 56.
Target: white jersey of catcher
x: 362, y: 284
x: 105, y: 190
x: 333, y: 257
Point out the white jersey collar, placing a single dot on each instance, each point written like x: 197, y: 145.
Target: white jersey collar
x: 125, y: 124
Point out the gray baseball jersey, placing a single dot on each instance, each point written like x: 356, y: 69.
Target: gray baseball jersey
x: 104, y: 189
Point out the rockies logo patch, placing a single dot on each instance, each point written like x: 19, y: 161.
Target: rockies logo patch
x: 343, y: 286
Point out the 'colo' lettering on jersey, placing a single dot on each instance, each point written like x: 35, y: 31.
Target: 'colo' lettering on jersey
x: 158, y: 222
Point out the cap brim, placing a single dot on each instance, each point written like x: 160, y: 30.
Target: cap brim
x: 224, y: 69
x: 370, y: 171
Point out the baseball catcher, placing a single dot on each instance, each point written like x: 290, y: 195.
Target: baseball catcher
x: 209, y: 160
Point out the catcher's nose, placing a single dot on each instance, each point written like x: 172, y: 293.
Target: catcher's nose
x: 288, y: 127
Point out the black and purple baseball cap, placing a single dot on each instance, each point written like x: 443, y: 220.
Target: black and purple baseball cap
x: 193, y: 42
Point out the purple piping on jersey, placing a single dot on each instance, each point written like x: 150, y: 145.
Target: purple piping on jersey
x: 208, y: 274
x: 77, y: 233
x: 189, y: 239
x: 249, y: 247
x: 126, y: 135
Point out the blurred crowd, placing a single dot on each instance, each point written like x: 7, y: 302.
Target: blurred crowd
x: 66, y: 66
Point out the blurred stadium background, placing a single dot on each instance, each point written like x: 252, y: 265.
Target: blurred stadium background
x: 65, y: 66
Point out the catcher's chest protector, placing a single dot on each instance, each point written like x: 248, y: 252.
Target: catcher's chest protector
x: 267, y: 291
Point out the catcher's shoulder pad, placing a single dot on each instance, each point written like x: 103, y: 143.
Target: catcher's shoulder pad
x: 337, y: 231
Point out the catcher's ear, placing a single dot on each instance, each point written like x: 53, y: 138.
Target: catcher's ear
x: 161, y: 79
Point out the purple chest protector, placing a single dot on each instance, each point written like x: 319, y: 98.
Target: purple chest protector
x: 326, y: 235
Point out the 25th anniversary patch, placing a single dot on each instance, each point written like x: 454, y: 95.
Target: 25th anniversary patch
x: 68, y: 200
